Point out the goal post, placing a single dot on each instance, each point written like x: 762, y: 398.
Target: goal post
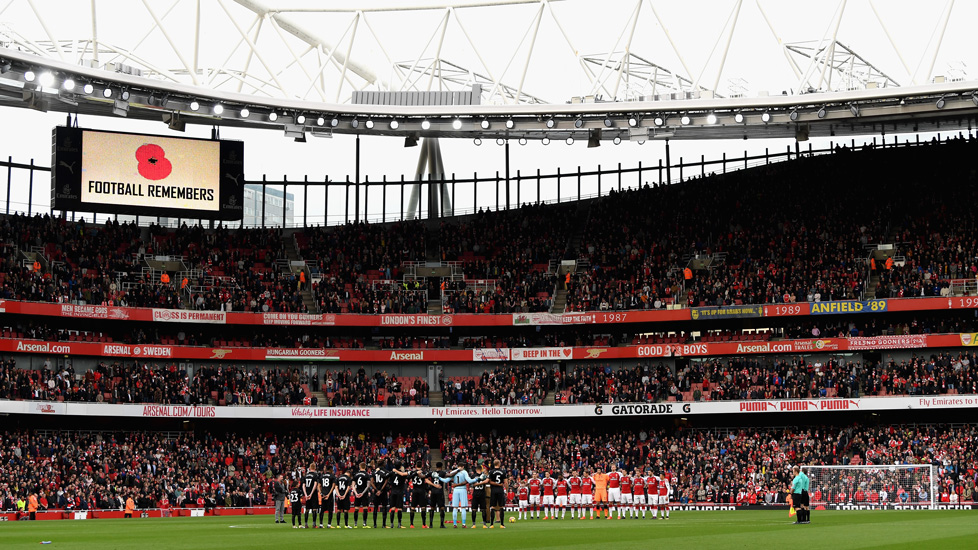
x: 870, y: 487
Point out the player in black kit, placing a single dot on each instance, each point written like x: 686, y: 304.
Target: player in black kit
x: 380, y: 485
x: 295, y: 502
x: 398, y: 484
x: 326, y: 487
x: 437, y: 496
x: 497, y: 495
x: 361, y: 499
x: 342, y: 492
x: 419, y: 494
x: 310, y: 493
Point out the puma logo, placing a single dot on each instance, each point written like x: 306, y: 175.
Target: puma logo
x: 234, y: 178
x: 70, y: 167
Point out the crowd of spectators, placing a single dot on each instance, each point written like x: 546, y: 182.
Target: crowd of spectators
x: 81, y: 470
x: 502, y: 385
x: 346, y: 388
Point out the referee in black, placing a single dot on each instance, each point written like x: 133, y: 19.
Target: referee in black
x: 497, y: 495
x: 799, y: 494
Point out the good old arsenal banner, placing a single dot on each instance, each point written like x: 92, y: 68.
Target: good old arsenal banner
x: 162, y: 352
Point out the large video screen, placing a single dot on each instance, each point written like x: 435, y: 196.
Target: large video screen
x: 112, y: 172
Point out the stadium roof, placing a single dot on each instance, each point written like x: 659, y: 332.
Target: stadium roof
x: 531, y: 68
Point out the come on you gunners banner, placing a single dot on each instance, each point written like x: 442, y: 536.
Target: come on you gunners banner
x: 672, y: 408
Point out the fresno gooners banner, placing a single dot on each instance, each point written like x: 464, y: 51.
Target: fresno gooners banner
x: 483, y: 320
x: 165, y: 352
x: 672, y: 408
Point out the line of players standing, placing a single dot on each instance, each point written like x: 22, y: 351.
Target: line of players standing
x: 614, y: 491
x: 385, y: 492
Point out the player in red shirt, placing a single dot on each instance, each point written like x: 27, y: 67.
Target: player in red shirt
x: 664, y: 490
x: 614, y: 492
x: 575, y: 482
x: 562, y: 490
x: 652, y: 490
x: 587, y: 495
x: 548, y: 484
x: 638, y: 492
x: 626, y: 496
x: 536, y: 487
x: 524, y: 500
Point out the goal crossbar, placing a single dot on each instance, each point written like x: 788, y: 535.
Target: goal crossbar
x: 872, y: 486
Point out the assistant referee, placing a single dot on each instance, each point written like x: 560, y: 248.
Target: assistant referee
x: 799, y: 494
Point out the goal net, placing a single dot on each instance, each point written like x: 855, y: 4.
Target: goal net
x: 880, y: 486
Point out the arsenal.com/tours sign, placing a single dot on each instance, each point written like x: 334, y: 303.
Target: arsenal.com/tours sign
x: 672, y: 408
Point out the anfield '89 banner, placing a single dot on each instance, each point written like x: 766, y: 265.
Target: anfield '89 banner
x: 606, y: 410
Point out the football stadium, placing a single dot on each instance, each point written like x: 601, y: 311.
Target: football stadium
x: 488, y: 274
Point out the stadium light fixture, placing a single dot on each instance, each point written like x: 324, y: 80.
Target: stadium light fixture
x: 739, y: 118
x: 244, y: 112
x: 510, y: 124
x: 425, y: 124
x: 854, y: 109
x: 88, y: 88
x: 522, y: 141
x: 369, y: 124
x: 477, y: 142
x: 394, y: 124
x: 617, y: 140
x: 194, y: 105
x: 551, y: 122
x: 334, y: 122
x: 793, y: 115
x: 457, y: 124
x: 29, y: 76
x: 822, y: 112
x: 320, y: 121
x: 659, y: 121
x: 570, y: 140
x: 578, y: 122
x: 608, y: 122
x: 500, y: 141
x: 5, y: 66
x: 641, y: 142
x: 633, y: 121
x: 485, y: 124
x: 218, y: 109
x: 46, y: 80
x: 545, y: 141
x: 273, y: 116
x: 125, y: 94
x: 355, y: 123
x: 68, y: 84
x: 940, y: 102
x: 765, y: 117
x: 300, y: 119
x: 685, y: 120
x: 711, y: 118
x: 107, y: 93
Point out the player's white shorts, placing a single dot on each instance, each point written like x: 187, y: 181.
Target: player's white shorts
x: 561, y: 500
x: 614, y: 495
x: 653, y: 500
x: 575, y: 498
x: 639, y: 499
x: 524, y: 503
x: 535, y: 499
x: 663, y: 500
x: 587, y: 498
x: 548, y: 499
x: 626, y: 498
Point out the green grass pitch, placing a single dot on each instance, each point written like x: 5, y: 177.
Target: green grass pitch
x: 944, y: 529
